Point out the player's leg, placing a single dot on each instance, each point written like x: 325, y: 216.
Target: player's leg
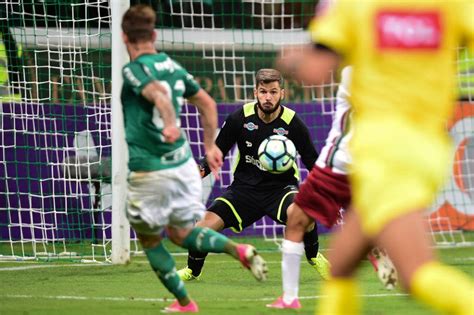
x: 313, y: 256
x: 292, y: 250
x: 226, y: 211
x: 164, y: 267
x: 441, y: 287
x: 310, y: 232
x: 149, y: 209
x: 321, y: 197
x: 207, y: 240
x: 196, y: 259
x: 311, y: 243
x: 349, y: 245
x: 215, y: 218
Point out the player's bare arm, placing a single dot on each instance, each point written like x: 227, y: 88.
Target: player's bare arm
x: 311, y: 64
x: 156, y: 94
x: 207, y: 108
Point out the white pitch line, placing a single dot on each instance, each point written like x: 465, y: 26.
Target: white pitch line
x: 144, y: 262
x: 50, y: 266
x: 141, y: 262
x: 464, y: 258
x: 138, y: 299
x: 220, y: 262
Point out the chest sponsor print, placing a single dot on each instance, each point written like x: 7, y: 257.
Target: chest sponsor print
x: 250, y: 126
x: 280, y: 131
x: 403, y: 30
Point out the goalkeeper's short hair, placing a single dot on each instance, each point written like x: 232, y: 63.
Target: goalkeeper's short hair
x: 267, y: 76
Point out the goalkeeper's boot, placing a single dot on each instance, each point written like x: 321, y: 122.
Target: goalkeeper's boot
x: 322, y: 266
x: 177, y: 308
x: 250, y: 259
x: 280, y: 304
x: 186, y: 274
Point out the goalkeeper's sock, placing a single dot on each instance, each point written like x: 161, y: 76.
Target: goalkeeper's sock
x: 164, y: 266
x: 443, y: 288
x: 196, y: 262
x: 340, y: 297
x: 207, y: 240
x: 290, y: 269
x: 311, y: 243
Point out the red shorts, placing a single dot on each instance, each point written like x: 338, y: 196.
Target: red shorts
x: 323, y: 194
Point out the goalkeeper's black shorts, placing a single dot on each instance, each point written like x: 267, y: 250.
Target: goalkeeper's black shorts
x: 240, y: 207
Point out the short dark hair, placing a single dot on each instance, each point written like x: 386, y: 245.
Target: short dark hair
x: 138, y: 23
x: 267, y: 76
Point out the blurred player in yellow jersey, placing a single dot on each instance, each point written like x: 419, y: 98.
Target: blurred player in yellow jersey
x: 403, y: 90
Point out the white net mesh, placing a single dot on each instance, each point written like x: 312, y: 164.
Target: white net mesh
x: 55, y: 124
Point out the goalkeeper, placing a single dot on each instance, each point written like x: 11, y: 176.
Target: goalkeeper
x: 255, y: 192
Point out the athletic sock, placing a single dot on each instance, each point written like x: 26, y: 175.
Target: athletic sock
x: 311, y: 243
x: 206, y: 240
x: 290, y: 269
x: 164, y: 266
x: 340, y: 297
x: 196, y: 261
x: 444, y: 289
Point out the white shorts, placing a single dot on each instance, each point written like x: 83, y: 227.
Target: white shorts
x: 165, y: 197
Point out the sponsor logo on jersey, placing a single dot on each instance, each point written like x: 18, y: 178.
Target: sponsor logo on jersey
x: 403, y: 30
x: 250, y: 126
x: 251, y: 160
x: 249, y: 144
x: 168, y: 64
x: 280, y: 131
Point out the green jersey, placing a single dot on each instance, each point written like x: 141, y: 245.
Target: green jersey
x: 148, y: 150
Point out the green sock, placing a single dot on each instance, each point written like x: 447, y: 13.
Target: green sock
x: 164, y: 266
x: 206, y: 240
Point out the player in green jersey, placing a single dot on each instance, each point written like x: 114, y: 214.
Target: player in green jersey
x: 164, y: 182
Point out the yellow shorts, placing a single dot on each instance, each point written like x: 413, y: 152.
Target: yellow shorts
x: 397, y: 169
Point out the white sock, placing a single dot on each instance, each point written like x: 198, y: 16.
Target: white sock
x: 290, y: 269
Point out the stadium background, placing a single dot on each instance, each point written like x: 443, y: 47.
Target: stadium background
x: 55, y: 106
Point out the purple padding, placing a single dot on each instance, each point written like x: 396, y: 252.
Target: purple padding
x: 35, y: 139
x: 38, y: 137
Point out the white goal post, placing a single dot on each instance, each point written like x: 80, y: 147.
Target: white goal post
x: 120, y: 224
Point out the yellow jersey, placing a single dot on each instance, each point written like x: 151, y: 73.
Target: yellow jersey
x: 402, y: 52
x: 403, y: 87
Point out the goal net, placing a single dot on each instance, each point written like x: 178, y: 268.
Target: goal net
x: 55, y: 113
x: 55, y: 127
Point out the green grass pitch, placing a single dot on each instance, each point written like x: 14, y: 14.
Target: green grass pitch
x: 226, y: 288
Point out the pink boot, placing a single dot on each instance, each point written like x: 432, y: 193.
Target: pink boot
x: 279, y: 303
x: 177, y: 308
x: 250, y: 259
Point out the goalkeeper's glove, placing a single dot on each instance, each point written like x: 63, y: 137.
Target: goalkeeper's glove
x: 203, y: 168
